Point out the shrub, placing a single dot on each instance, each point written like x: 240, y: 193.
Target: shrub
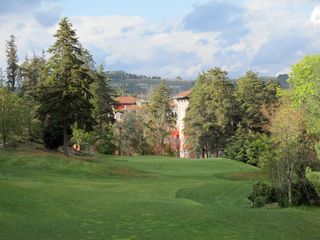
x: 314, y: 178
x: 106, y: 142
x: 263, y: 194
x: 304, y: 193
x: 249, y: 147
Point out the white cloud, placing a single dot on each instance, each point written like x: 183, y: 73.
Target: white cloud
x: 30, y: 35
x: 160, y: 49
x: 276, y: 36
x: 315, y: 16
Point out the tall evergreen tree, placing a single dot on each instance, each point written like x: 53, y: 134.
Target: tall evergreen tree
x: 103, y: 99
x: 160, y: 119
x: 252, y: 93
x: 212, y: 112
x: 103, y: 102
x: 12, y: 63
x: 65, y: 96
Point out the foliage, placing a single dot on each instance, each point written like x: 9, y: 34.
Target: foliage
x: 12, y: 115
x: 103, y: 102
x: 160, y: 119
x: 263, y: 194
x: 106, y: 141
x: 237, y: 145
x: 52, y: 135
x: 305, y: 81
x: 304, y: 193
x: 314, y: 178
x: 102, y: 99
x: 130, y: 134
x: 210, y: 119
x: 249, y: 147
x: 12, y: 64
x: 82, y: 138
x: 33, y: 73
x: 288, y: 134
x: 252, y: 93
x: 65, y: 96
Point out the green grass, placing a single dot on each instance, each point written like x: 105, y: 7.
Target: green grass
x: 47, y: 196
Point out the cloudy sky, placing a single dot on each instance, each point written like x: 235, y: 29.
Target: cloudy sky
x: 172, y: 38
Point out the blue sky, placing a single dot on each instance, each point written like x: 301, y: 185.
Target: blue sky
x: 172, y: 38
x: 153, y: 10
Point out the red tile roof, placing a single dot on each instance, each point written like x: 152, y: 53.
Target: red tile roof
x: 184, y: 94
x: 127, y: 100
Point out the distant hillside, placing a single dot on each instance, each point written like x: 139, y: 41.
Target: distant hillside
x: 140, y: 84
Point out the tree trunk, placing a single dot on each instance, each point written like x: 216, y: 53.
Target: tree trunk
x: 289, y: 171
x: 203, y: 155
x: 290, y: 185
x: 30, y: 126
x: 162, y: 148
x: 65, y: 139
x: 4, y: 140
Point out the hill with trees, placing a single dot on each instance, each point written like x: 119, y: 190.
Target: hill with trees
x: 139, y: 85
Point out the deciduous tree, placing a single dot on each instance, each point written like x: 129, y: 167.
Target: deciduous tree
x: 287, y: 128
x: 130, y: 134
x: 11, y: 115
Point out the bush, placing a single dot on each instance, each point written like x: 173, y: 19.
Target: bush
x: 236, y: 147
x: 258, y: 202
x: 304, y: 193
x: 249, y: 147
x: 106, y: 142
x: 314, y: 178
x: 263, y: 194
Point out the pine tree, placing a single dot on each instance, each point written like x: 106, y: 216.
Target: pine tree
x: 252, y: 93
x: 212, y: 113
x: 12, y: 63
x: 160, y: 118
x: 65, y: 96
x: 103, y: 99
x: 103, y: 102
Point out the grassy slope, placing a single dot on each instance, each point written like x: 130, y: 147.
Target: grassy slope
x: 46, y: 196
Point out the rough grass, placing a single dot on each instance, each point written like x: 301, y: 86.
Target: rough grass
x: 47, y: 196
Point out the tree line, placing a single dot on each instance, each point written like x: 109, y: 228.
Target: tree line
x: 258, y: 122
